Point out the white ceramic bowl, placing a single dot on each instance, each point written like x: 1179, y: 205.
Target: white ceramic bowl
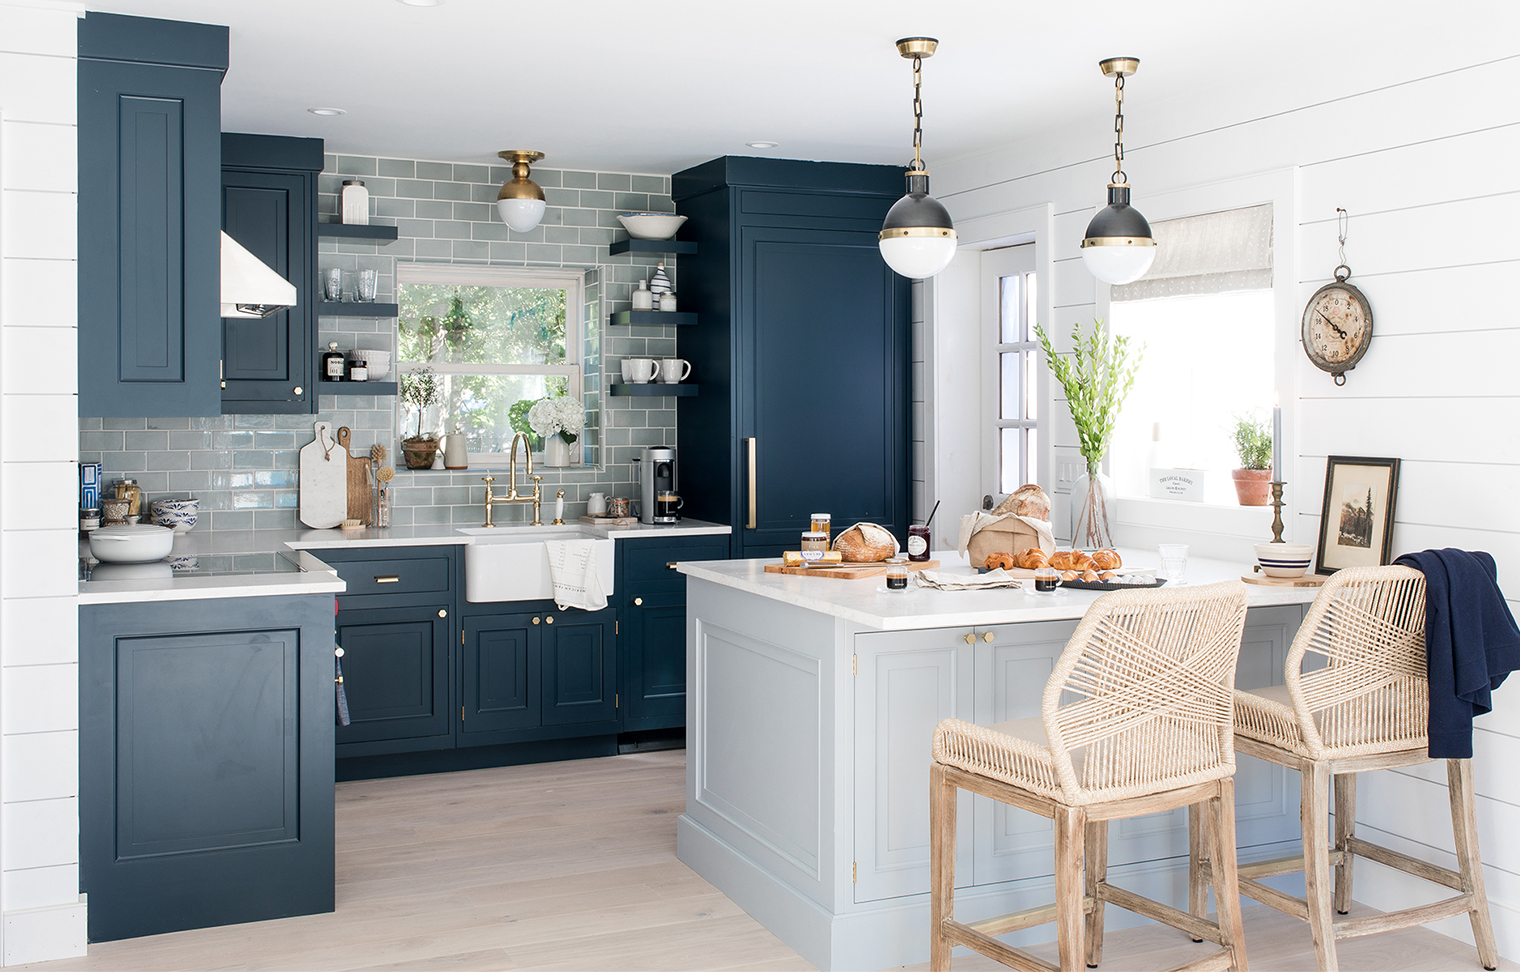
x: 651, y: 226
x: 378, y: 362
x: 1284, y: 559
x: 178, y: 515
x: 139, y: 543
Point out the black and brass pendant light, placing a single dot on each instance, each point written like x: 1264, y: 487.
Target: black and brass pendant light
x: 1119, y: 247
x: 520, y: 202
x: 917, y: 238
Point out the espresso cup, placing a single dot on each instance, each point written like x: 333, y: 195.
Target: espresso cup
x: 640, y: 371
x: 667, y: 504
x: 673, y: 371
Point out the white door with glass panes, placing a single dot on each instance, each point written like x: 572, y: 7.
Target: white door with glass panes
x: 1011, y: 369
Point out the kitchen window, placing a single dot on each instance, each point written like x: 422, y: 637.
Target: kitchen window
x: 1009, y: 294
x: 495, y: 337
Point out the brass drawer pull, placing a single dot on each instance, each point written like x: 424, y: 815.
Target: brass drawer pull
x: 638, y: 602
x: 753, y: 522
x: 387, y: 578
x: 535, y: 620
x: 987, y: 637
x: 671, y: 565
x: 548, y: 620
x: 442, y: 613
x: 970, y: 638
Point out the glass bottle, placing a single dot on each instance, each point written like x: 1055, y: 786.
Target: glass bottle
x: 332, y: 363
x: 643, y: 298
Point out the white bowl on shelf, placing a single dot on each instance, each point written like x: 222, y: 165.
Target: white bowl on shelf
x: 651, y: 226
x: 1284, y: 559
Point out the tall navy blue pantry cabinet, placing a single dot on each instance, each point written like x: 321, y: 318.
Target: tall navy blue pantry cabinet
x: 150, y: 116
x: 802, y: 350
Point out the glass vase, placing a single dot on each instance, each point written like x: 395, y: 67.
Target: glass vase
x: 1092, y: 498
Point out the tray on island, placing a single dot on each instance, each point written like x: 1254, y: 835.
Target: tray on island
x: 1081, y: 585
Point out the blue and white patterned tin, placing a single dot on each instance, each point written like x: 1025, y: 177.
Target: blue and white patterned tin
x: 89, y: 485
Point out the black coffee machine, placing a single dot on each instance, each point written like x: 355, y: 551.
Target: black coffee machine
x: 655, y: 470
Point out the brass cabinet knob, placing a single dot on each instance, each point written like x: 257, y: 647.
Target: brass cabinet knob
x: 535, y: 620
x: 442, y: 613
x: 638, y: 602
x: 987, y: 637
x: 970, y: 638
x: 298, y: 391
x: 549, y: 620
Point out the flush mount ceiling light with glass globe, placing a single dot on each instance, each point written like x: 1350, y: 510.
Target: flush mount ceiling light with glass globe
x: 917, y: 238
x: 1119, y: 247
x: 521, y: 201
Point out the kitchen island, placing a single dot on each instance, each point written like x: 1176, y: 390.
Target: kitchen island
x: 810, y: 711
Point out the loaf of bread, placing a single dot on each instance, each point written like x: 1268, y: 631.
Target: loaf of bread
x: 865, y: 543
x: 1028, y: 500
x: 1107, y: 560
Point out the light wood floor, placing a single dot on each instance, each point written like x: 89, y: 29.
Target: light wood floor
x: 572, y: 866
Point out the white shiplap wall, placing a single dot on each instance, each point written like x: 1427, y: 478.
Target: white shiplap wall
x: 43, y: 916
x: 1425, y: 168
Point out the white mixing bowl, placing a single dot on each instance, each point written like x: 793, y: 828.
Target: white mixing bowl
x: 1284, y: 559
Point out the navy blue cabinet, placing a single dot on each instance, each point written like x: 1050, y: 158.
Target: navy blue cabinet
x: 396, y: 678
x: 803, y: 351
x: 205, y: 762
x: 149, y: 154
x: 501, y: 666
x: 269, y: 205
x: 579, y: 666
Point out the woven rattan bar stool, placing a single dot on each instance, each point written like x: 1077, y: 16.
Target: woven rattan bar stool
x: 1137, y: 718
x: 1363, y: 707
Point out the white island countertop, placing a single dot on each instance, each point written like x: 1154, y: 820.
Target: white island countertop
x: 866, y: 601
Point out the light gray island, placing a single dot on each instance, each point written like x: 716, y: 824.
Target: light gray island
x: 810, y: 708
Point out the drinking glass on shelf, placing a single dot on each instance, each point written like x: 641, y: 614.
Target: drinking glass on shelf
x: 1174, y: 562
x: 365, y: 284
x: 332, y: 284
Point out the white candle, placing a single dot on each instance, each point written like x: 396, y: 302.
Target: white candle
x: 1277, y: 469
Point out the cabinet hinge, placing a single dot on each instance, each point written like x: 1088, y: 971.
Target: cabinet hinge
x: 854, y: 872
x: 854, y: 664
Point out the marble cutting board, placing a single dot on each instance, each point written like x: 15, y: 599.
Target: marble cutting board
x: 324, y: 480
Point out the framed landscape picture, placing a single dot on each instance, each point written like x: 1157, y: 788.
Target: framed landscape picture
x: 1356, y: 524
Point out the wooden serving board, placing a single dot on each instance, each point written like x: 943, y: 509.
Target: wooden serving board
x: 358, y: 481
x: 1308, y: 580
x: 610, y: 520
x: 323, y: 483
x: 847, y: 572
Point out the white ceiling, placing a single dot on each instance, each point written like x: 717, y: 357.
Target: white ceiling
x: 655, y: 87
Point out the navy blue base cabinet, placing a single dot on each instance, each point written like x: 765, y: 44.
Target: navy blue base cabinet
x: 205, y: 762
x: 803, y: 350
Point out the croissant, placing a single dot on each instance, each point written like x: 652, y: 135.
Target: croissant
x: 1090, y: 576
x: 1080, y: 560
x: 1061, y: 560
x: 1107, y: 560
x: 1033, y: 559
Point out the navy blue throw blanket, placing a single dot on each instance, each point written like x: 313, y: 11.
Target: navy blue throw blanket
x: 1471, y: 643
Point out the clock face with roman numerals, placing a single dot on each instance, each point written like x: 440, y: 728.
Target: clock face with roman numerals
x: 1337, y: 328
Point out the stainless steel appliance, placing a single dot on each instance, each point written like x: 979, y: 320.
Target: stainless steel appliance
x: 655, y: 470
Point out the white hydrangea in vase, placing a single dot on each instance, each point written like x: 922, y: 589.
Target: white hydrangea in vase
x: 559, y: 422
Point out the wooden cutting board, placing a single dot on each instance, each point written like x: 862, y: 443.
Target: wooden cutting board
x: 1308, y: 580
x: 856, y: 572
x: 610, y: 520
x: 324, y: 480
x: 359, y: 506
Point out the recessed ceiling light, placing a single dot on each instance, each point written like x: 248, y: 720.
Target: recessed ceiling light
x: 421, y: 3
x: 327, y: 111
x: 762, y: 144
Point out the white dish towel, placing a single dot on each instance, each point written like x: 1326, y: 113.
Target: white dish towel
x: 572, y: 571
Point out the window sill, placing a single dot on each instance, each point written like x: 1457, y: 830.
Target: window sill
x: 1213, y: 518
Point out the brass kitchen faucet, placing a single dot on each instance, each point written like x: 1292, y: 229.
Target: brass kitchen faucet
x: 511, y: 496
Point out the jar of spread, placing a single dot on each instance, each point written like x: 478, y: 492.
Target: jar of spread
x: 897, y: 574
x: 822, y: 523
x: 918, y: 542
x: 814, y: 545
x: 358, y: 370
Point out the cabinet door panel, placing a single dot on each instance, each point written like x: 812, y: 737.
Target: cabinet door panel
x: 578, y: 669
x: 653, y: 658
x: 501, y: 673
x: 395, y: 673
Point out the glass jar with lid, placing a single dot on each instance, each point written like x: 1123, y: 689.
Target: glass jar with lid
x: 814, y: 546
x: 127, y: 489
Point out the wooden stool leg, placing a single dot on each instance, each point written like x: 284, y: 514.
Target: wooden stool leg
x: 942, y: 795
x: 1070, y: 824
x: 1226, y: 881
x: 1198, y: 856
x: 1096, y: 857
x: 1464, y: 826
x: 1318, y: 879
x: 1345, y: 827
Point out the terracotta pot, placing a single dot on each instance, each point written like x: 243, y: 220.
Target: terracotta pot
x: 1253, y: 487
x: 419, y: 453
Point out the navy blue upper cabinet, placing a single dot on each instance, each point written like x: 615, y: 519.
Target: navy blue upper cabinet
x: 269, y: 205
x: 149, y: 215
x: 804, y: 350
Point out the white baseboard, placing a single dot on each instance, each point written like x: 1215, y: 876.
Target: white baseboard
x: 39, y: 934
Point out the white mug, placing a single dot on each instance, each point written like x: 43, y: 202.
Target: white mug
x: 596, y: 505
x: 640, y: 371
x: 673, y: 371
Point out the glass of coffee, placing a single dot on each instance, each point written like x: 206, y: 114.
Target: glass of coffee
x: 667, y: 504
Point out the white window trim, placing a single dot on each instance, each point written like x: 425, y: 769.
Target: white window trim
x: 573, y: 282
x: 993, y: 422
x: 1214, y: 529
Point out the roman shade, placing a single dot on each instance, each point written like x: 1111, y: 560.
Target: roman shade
x: 1209, y: 254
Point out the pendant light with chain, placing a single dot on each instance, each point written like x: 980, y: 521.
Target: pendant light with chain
x: 917, y: 238
x: 1119, y: 248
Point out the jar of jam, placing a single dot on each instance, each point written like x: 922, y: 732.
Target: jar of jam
x: 814, y: 545
x: 822, y: 524
x: 897, y: 574
x: 358, y: 370
x: 918, y: 542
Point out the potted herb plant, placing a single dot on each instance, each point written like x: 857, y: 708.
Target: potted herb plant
x: 1096, y: 377
x: 559, y: 421
x: 420, y: 391
x: 1253, y: 446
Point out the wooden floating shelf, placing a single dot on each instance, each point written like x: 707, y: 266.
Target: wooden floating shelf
x: 654, y: 317
x: 349, y: 231
x: 355, y: 308
x: 650, y: 389
x: 651, y: 246
x: 351, y: 388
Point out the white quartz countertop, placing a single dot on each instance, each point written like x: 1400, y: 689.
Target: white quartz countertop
x: 867, y: 602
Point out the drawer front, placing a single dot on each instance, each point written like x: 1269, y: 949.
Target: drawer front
x: 420, y: 575
x: 652, y: 560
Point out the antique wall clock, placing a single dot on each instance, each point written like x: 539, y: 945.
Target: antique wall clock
x: 1337, y: 322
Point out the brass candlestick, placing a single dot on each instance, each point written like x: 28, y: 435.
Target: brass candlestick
x: 1277, y: 505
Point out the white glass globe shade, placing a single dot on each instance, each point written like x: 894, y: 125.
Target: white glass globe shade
x: 918, y: 256
x: 1118, y: 264
x: 520, y: 215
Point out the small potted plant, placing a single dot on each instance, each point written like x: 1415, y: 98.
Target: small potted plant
x: 1253, y: 446
x: 420, y: 391
x: 559, y: 422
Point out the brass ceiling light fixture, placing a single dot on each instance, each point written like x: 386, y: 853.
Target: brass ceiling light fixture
x: 1119, y: 247
x: 521, y: 201
x: 917, y: 238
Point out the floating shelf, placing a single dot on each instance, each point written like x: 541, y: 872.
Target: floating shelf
x: 355, y: 308
x: 654, y: 317
x: 650, y: 389
x: 349, y: 231
x: 651, y: 246
x: 351, y: 388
